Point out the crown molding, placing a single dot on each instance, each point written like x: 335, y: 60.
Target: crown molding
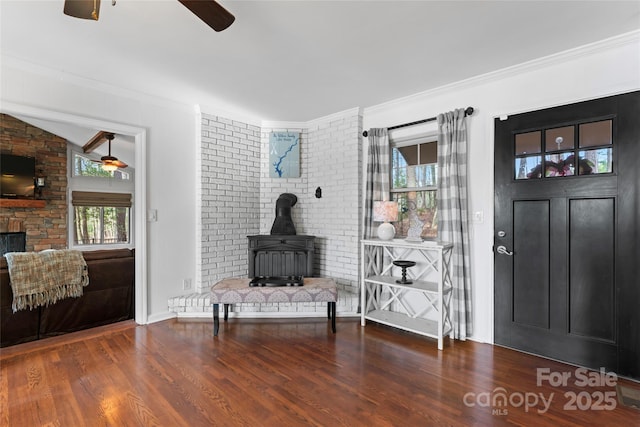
x: 84, y: 82
x: 629, y: 38
x: 243, y: 117
x: 280, y: 125
x: 314, y: 123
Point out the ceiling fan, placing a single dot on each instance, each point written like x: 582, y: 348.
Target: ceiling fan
x: 209, y: 11
x: 109, y: 163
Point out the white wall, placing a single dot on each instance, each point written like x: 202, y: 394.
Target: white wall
x: 230, y: 197
x: 602, y: 69
x: 169, y: 153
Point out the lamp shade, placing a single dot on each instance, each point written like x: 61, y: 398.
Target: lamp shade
x: 385, y: 211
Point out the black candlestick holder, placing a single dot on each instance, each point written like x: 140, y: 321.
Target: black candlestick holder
x: 404, y: 264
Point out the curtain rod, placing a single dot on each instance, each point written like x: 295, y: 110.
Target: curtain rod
x: 467, y: 112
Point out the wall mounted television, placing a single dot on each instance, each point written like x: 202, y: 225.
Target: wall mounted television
x: 17, y: 177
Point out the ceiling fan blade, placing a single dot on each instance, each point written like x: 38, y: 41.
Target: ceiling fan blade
x: 211, y: 12
x: 120, y: 164
x: 97, y: 140
x: 84, y: 9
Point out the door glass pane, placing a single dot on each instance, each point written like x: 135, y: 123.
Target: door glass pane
x: 561, y: 164
x: 559, y: 139
x: 528, y: 167
x: 596, y: 133
x: 527, y: 143
x: 596, y: 161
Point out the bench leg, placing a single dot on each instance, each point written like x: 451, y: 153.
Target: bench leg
x: 216, y: 319
x: 331, y: 307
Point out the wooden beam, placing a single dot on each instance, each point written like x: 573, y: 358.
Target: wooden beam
x: 97, y: 140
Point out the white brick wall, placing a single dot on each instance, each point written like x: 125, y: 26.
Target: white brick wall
x: 330, y: 158
x: 238, y: 196
x: 230, y: 197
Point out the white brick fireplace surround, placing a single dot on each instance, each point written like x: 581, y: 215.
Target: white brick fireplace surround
x: 238, y: 199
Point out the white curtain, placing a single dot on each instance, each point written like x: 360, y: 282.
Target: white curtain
x: 377, y: 175
x: 453, y: 223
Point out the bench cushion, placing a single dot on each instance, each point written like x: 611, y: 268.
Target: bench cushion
x: 237, y: 290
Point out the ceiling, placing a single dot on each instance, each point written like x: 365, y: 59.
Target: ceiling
x: 301, y: 60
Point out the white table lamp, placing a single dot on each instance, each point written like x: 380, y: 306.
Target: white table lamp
x: 385, y: 212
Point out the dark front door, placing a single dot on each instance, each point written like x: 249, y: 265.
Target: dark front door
x: 567, y: 238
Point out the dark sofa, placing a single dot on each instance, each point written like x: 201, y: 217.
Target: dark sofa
x: 108, y: 298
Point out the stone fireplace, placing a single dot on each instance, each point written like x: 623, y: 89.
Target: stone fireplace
x: 43, y: 221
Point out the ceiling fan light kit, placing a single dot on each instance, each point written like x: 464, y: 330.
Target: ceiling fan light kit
x: 108, y: 163
x: 83, y: 9
x: 209, y: 11
x: 109, y: 167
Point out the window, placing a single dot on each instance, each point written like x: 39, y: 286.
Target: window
x: 84, y: 166
x: 414, y: 180
x: 101, y: 218
x: 101, y: 209
x: 591, y: 143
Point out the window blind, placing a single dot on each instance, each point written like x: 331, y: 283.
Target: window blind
x: 93, y: 198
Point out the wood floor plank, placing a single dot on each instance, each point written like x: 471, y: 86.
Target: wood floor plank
x: 287, y: 372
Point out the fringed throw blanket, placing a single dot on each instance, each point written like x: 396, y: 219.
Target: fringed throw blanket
x: 42, y: 278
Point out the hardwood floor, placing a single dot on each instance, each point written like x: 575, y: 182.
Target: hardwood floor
x: 291, y: 372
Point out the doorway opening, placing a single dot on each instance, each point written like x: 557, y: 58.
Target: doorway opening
x: 140, y: 137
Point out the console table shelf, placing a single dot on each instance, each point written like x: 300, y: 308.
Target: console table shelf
x: 421, y: 285
x: 419, y: 326
x: 385, y: 301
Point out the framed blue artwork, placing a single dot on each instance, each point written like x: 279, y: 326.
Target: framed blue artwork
x: 284, y: 155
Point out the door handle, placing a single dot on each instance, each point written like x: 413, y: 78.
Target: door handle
x: 504, y: 251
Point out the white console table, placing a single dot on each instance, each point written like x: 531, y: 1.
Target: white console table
x: 387, y: 302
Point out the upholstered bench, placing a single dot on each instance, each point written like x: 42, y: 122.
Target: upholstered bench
x: 237, y: 291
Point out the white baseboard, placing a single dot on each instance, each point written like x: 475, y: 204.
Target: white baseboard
x: 159, y: 317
